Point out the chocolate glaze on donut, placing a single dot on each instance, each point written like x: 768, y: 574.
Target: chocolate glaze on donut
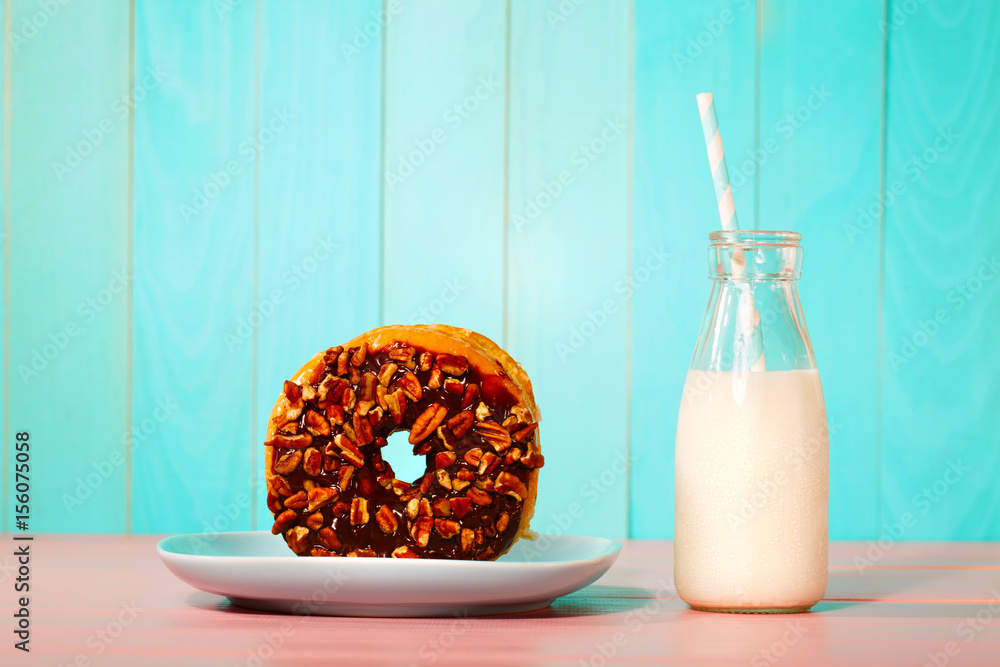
x: 327, y: 452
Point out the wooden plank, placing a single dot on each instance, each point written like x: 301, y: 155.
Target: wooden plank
x: 631, y: 614
x: 444, y: 165
x: 942, y: 290
x: 569, y: 232
x: 68, y: 253
x: 195, y: 146
x: 319, y: 190
x: 682, y: 49
x: 5, y: 439
x: 819, y: 180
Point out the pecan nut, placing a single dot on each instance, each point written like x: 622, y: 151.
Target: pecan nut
x: 281, y: 486
x: 312, y: 462
x: 404, y: 552
x: 359, y: 511
x: 349, y: 449
x: 360, y: 355
x: 495, y: 434
x: 316, y: 423
x: 470, y: 395
x: 386, y: 519
x: 460, y: 423
x: 452, y: 364
x: 320, y: 496
x: 467, y: 538
x: 300, y: 441
x: 328, y: 538
x: 396, y: 404
x: 288, y: 463
x: 427, y: 422
x: 460, y: 506
x: 478, y: 496
x: 447, y: 528
x: 362, y: 429
x: 420, y: 530
x: 298, y: 539
x: 443, y: 459
x: 524, y: 433
x: 410, y: 386
x: 510, y: 485
x: 297, y: 501
x: 283, y: 522
x: 453, y: 386
x: 315, y: 521
x: 386, y: 372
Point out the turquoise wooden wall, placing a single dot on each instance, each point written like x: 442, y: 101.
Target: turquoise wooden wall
x: 198, y: 197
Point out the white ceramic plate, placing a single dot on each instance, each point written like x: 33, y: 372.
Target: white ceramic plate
x: 257, y: 570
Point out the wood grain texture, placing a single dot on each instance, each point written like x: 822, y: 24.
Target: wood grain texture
x: 195, y: 149
x: 444, y: 165
x: 941, y: 436
x: 678, y: 56
x: 6, y: 439
x: 68, y: 253
x: 318, y: 277
x: 905, y: 611
x: 818, y: 163
x: 569, y: 254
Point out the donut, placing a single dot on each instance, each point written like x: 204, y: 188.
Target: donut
x: 470, y: 412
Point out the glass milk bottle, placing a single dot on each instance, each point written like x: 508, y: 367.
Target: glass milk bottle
x: 752, y: 450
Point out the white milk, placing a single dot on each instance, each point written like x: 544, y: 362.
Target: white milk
x: 752, y: 486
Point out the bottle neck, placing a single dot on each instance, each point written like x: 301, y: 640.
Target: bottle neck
x: 755, y: 255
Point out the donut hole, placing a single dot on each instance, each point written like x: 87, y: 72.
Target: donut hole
x: 398, y: 453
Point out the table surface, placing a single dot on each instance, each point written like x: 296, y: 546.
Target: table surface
x: 905, y: 604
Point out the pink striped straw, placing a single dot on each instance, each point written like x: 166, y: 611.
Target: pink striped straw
x: 747, y: 313
x: 717, y: 162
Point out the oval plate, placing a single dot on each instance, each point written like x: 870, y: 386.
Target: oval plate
x: 257, y: 570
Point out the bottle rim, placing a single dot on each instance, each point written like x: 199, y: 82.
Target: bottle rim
x: 755, y: 238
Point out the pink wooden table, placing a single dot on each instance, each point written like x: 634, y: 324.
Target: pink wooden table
x: 107, y: 600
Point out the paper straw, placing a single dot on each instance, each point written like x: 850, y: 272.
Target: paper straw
x: 717, y: 162
x: 747, y: 313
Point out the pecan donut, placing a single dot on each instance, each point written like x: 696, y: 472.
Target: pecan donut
x: 469, y: 410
